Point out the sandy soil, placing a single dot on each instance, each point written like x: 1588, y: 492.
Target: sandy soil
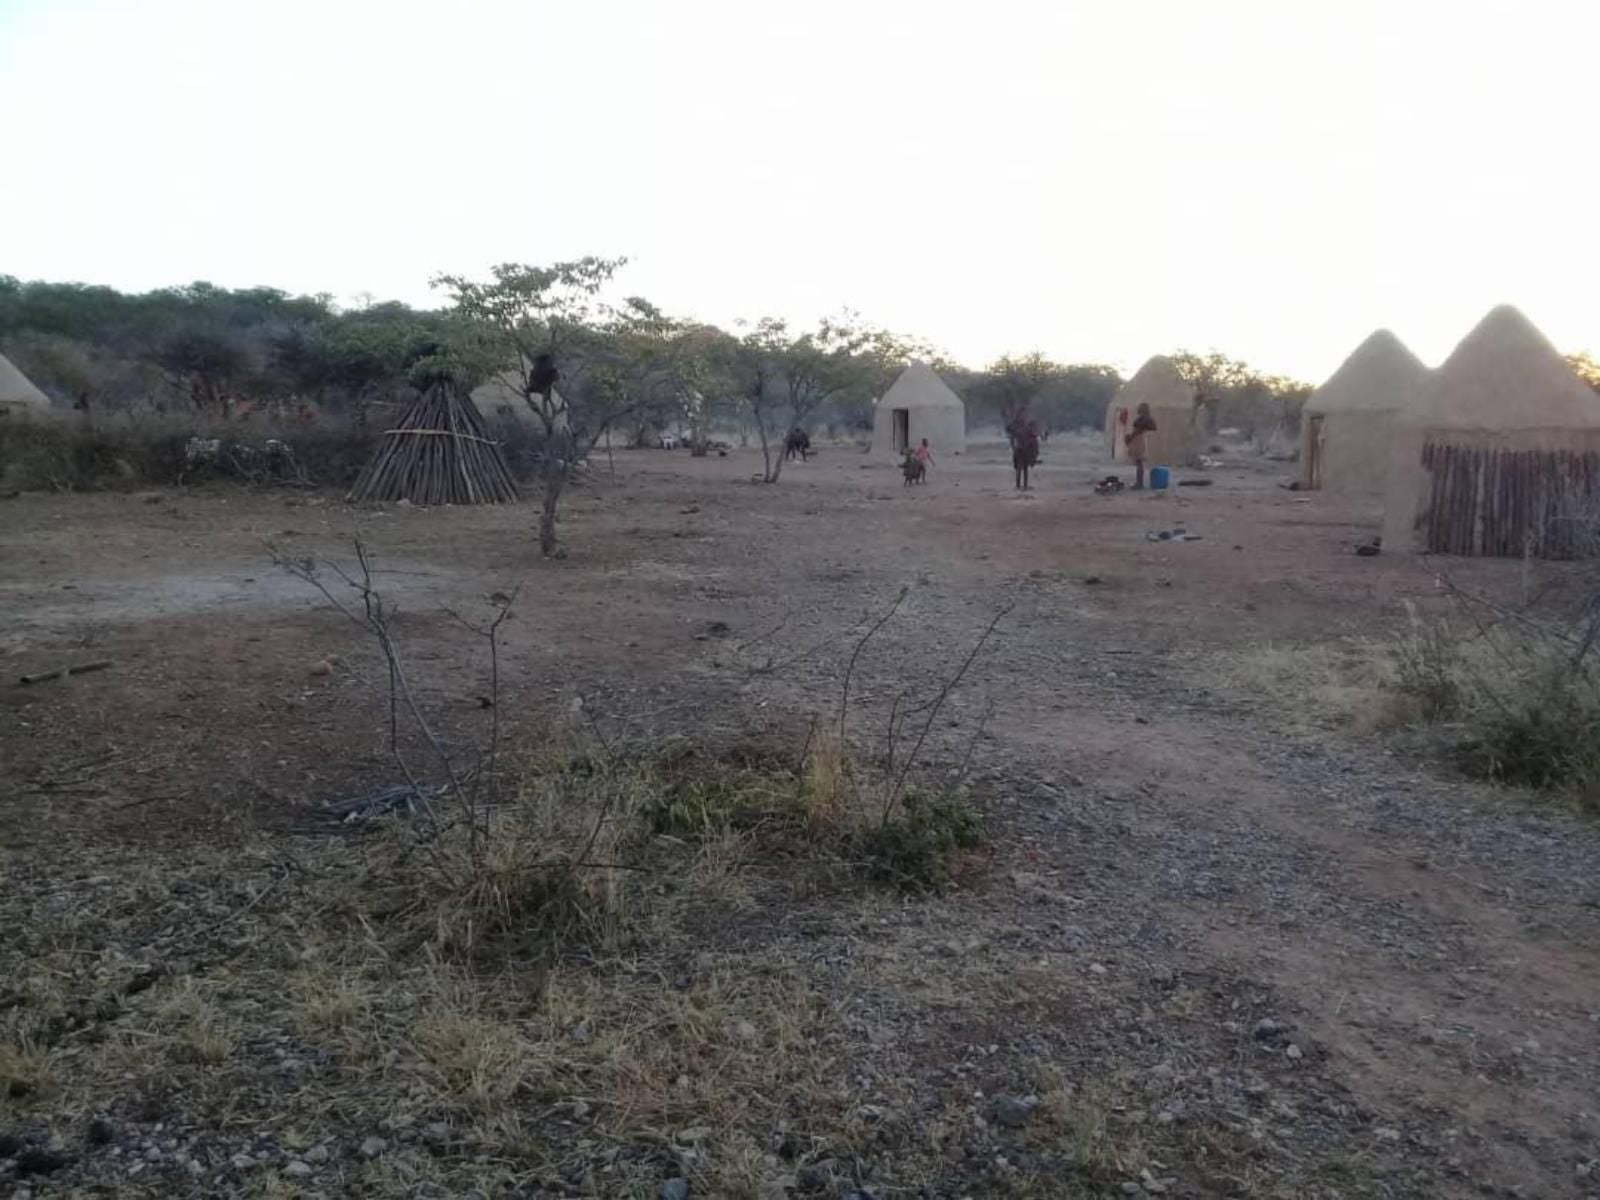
x: 1385, y: 980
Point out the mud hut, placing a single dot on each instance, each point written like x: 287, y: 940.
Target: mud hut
x: 919, y: 405
x: 1181, y: 431
x: 1500, y: 452
x: 1347, y: 424
x: 18, y: 396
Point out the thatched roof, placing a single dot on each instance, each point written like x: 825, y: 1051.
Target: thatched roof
x: 17, y: 389
x: 919, y: 386
x: 1380, y: 375
x: 1157, y: 384
x: 1505, y: 376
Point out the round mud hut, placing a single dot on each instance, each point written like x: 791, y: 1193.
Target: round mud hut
x: 1347, y: 424
x: 1500, y: 455
x: 18, y: 396
x: 1180, y: 434
x: 919, y: 405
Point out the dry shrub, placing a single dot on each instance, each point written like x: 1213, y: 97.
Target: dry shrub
x: 474, y: 1055
x: 1352, y: 683
x: 112, y: 453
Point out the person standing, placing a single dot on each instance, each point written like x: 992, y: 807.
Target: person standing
x: 924, y: 455
x: 1138, y: 442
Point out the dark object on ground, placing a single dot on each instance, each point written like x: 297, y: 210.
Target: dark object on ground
x: 41, y: 1161
x: 1195, y: 482
x: 1370, y: 549
x: 63, y: 672
x: 1091, y: 580
x: 1170, y: 535
x: 440, y: 453
x: 1292, y: 486
x: 398, y: 798
x: 1109, y: 486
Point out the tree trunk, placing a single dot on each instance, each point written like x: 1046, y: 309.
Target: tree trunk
x: 555, y: 479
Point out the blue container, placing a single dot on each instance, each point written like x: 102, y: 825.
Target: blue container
x: 1160, y: 477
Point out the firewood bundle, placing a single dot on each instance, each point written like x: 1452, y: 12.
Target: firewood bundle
x: 439, y: 453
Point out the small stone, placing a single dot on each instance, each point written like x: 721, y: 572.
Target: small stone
x: 580, y: 1109
x: 1014, y: 1111
x: 816, y: 1176
x: 870, y: 1112
x: 153, y: 1154
x: 436, y: 1134
x: 194, y: 1168
x: 693, y: 1135
x: 675, y: 1189
x: 746, y: 1032
x: 317, y: 1154
x: 1294, y: 1052
x: 373, y: 1147
x: 1097, y: 968
x: 1385, y: 1134
x: 1131, y: 1189
x: 1266, y: 1028
x: 298, y: 1170
x: 242, y: 1162
x: 321, y: 667
x: 101, y: 1132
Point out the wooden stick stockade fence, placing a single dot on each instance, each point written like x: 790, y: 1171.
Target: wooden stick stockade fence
x: 440, y: 453
x: 1507, y: 503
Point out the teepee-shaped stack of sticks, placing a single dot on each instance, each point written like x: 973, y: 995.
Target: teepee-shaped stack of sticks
x: 438, y: 453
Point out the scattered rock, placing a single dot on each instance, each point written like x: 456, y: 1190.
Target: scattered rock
x: 693, y: 1135
x: 1097, y: 968
x: 1014, y: 1111
x: 321, y: 667
x: 1267, y: 1028
x: 816, y: 1176
x: 242, y: 1162
x: 1294, y: 1052
x: 153, y: 1154
x: 675, y: 1189
x: 373, y: 1147
x: 436, y: 1134
x: 102, y: 1132
x: 317, y: 1154
x: 298, y: 1170
x: 746, y: 1032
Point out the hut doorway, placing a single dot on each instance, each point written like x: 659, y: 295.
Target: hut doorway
x: 1315, y: 457
x: 902, y: 430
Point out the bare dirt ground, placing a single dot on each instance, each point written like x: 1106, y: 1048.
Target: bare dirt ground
x: 1219, y: 948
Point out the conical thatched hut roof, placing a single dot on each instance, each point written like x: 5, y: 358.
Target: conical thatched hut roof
x: 1348, y: 423
x: 919, y: 405
x: 1180, y: 423
x: 1381, y: 374
x: 919, y: 386
x: 1503, y: 437
x: 1505, y: 375
x: 1159, y: 384
x: 17, y: 390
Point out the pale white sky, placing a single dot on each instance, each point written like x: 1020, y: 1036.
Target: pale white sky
x: 1103, y: 179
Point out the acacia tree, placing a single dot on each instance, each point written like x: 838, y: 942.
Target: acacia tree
x: 786, y: 378
x: 1234, y: 393
x: 544, y: 321
x: 1010, y: 385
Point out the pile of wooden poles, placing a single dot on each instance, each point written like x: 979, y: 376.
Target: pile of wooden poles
x: 439, y: 453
